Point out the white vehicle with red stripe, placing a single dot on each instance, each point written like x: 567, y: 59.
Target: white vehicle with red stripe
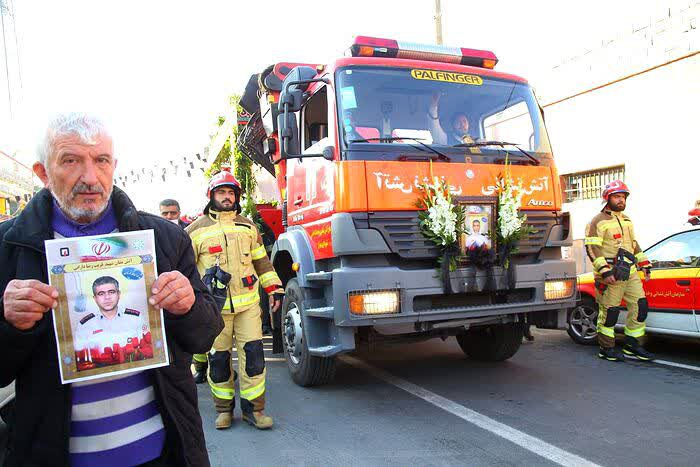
x: 673, y: 291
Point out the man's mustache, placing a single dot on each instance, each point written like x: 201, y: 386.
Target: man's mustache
x: 82, y: 187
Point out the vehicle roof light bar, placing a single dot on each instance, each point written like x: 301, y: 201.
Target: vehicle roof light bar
x: 365, y: 46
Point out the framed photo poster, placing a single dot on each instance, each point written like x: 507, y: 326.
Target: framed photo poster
x: 104, y: 325
x: 479, y: 223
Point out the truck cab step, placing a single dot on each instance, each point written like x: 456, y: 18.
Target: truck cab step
x: 321, y: 276
x: 320, y: 312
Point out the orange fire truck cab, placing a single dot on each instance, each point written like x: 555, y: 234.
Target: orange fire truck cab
x: 349, y: 144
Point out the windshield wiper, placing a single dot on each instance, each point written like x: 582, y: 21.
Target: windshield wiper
x: 496, y: 143
x: 441, y: 156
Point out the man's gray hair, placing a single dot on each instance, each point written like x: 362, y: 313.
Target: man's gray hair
x: 85, y: 126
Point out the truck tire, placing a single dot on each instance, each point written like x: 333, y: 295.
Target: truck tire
x: 582, y: 322
x: 306, y: 370
x: 494, y: 343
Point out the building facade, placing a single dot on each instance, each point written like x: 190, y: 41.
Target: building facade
x: 16, y: 185
x: 629, y: 110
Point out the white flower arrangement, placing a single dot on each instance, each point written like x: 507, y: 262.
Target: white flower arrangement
x: 441, y: 220
x: 509, y: 219
x: 512, y: 225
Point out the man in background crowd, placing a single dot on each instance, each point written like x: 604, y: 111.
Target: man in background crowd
x: 170, y: 210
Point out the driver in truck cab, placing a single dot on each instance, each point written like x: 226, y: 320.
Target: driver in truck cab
x: 459, y: 125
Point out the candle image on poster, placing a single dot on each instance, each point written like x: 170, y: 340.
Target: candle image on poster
x: 104, y: 324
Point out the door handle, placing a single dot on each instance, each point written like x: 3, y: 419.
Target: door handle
x: 298, y: 201
x: 683, y: 282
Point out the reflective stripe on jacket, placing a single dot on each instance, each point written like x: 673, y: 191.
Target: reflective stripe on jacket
x: 235, y: 242
x: 605, y: 235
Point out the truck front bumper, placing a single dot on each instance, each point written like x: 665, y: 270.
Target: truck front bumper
x: 423, y: 299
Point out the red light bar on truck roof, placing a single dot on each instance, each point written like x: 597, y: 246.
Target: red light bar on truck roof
x: 365, y: 46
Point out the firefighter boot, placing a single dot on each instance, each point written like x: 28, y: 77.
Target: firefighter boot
x: 199, y: 361
x: 200, y: 376
x: 612, y: 354
x: 224, y: 420
x: 258, y: 419
x: 634, y: 349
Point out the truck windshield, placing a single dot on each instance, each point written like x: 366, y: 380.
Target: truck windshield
x: 447, y: 111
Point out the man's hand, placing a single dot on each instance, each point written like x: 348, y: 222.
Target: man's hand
x: 434, y: 101
x: 610, y: 280
x: 26, y: 301
x: 647, y: 274
x: 173, y: 292
x: 276, y: 301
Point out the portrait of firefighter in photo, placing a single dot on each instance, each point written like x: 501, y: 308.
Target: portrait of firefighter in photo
x: 616, y: 257
x: 226, y: 243
x: 115, y: 325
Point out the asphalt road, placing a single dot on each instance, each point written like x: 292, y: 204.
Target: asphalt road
x: 554, y: 395
x: 427, y: 404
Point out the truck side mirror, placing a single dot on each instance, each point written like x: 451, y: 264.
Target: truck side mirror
x: 329, y: 153
x: 296, y: 82
x: 289, y: 134
x: 291, y: 100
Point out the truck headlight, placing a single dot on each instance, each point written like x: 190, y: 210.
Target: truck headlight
x: 374, y: 302
x: 558, y: 289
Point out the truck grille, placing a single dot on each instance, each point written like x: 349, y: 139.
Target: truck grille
x: 401, y: 232
x: 445, y: 302
x: 542, y: 222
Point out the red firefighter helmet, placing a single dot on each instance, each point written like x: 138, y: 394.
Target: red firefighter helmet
x: 616, y: 186
x: 221, y: 179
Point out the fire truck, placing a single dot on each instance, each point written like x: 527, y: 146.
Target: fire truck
x: 350, y: 144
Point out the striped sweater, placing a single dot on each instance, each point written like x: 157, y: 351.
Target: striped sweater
x: 115, y: 421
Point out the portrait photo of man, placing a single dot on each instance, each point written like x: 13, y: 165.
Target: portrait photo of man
x: 477, y: 238
x: 114, y: 333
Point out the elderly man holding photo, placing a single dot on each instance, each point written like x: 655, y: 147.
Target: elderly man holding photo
x: 148, y: 417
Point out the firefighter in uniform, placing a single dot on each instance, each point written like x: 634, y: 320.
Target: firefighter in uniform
x: 222, y: 236
x: 616, y: 256
x: 114, y: 324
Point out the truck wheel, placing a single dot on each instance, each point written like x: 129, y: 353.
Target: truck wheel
x: 306, y: 370
x: 582, y: 322
x: 494, y: 343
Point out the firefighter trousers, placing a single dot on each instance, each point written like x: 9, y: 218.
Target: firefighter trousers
x: 199, y: 360
x: 245, y: 328
x: 609, y: 299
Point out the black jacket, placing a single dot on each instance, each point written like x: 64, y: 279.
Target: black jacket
x: 41, y: 431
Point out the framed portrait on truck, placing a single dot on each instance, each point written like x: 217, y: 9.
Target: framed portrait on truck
x: 479, y: 223
x: 104, y: 324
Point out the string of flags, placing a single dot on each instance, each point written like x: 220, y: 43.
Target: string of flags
x: 178, y: 167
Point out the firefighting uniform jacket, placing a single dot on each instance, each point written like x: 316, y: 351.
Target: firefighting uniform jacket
x: 235, y: 243
x: 605, y: 235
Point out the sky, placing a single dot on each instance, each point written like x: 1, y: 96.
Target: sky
x: 160, y: 72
